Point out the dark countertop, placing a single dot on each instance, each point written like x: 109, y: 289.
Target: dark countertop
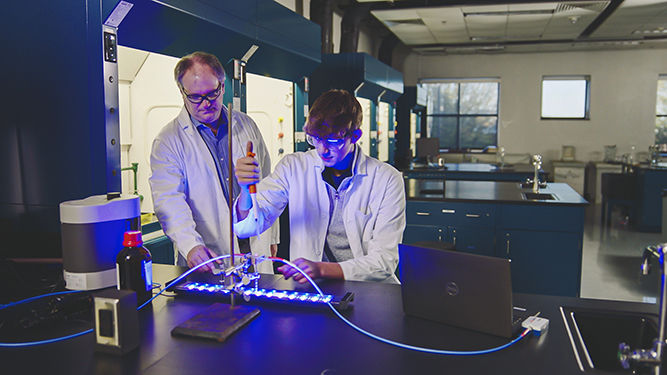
x: 300, y: 340
x: 472, y: 168
x: 487, y: 192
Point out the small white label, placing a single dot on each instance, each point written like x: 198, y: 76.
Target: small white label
x: 74, y: 281
x: 117, y: 277
x: 118, y: 14
x: 305, y: 110
x: 148, y: 272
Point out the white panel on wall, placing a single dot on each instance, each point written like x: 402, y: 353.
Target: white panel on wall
x: 269, y: 103
x: 124, y: 113
x: 154, y: 100
x: 365, y: 141
x: 383, y: 131
x: 413, y: 133
x: 335, y: 32
x: 125, y: 123
x: 289, y: 4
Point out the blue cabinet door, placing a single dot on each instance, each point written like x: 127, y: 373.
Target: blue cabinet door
x: 417, y: 233
x: 474, y: 240
x: 543, y: 262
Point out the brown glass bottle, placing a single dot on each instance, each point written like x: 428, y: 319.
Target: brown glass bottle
x: 134, y: 267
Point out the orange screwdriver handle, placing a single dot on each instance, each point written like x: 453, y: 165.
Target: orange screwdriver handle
x: 252, y: 188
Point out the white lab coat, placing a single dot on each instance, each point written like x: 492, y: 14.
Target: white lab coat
x: 187, y: 195
x: 373, y: 213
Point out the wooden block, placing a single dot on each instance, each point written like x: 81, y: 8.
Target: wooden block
x: 217, y: 322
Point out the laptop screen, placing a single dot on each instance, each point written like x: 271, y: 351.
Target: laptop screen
x: 460, y: 289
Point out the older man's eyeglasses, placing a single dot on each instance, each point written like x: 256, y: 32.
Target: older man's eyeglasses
x: 330, y: 143
x: 210, y: 96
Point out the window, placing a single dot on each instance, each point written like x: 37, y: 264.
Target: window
x: 565, y: 97
x: 463, y: 114
x: 661, y: 111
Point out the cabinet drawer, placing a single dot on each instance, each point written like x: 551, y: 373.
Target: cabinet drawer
x: 542, y: 217
x: 450, y: 213
x: 417, y: 233
x: 475, y: 214
x: 427, y: 213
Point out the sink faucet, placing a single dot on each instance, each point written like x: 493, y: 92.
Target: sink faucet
x: 537, y: 164
x: 653, y: 356
x: 502, y: 157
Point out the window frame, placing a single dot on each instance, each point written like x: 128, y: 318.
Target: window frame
x: 661, y: 77
x: 572, y: 77
x: 459, y: 115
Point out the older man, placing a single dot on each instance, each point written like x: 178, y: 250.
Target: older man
x: 190, y: 173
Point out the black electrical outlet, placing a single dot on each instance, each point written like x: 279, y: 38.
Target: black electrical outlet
x: 110, y: 47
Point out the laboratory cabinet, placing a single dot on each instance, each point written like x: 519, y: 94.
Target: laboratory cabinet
x: 543, y: 240
x: 543, y: 262
x: 545, y: 246
x: 468, y: 227
x: 651, y: 182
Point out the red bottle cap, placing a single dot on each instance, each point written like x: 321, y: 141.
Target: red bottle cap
x: 132, y: 239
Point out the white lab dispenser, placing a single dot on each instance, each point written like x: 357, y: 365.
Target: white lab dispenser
x: 92, y: 236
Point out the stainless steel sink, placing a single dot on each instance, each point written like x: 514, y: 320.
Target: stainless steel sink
x: 595, y: 336
x: 530, y: 196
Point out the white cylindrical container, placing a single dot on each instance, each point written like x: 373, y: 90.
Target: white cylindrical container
x: 92, y: 235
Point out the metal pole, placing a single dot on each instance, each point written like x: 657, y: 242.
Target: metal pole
x: 230, y: 190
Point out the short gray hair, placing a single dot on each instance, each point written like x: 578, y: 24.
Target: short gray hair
x: 198, y: 57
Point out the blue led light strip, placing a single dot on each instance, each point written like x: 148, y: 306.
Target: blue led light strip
x: 270, y: 294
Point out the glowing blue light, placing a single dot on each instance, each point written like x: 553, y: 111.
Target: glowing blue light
x: 261, y: 293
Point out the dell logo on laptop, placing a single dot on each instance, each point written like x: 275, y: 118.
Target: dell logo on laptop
x: 452, y: 289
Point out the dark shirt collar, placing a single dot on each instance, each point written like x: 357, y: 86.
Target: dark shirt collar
x: 221, y: 124
x: 335, y: 181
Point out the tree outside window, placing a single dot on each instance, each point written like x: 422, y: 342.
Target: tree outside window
x: 463, y: 114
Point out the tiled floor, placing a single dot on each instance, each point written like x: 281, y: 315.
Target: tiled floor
x: 612, y: 257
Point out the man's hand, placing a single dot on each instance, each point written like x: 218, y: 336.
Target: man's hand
x: 200, y: 254
x: 326, y: 270
x: 247, y: 169
x: 307, y: 266
x: 247, y: 173
x: 274, y: 249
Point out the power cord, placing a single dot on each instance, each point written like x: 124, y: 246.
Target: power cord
x: 395, y: 343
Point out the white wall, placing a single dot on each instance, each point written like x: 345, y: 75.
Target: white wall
x: 269, y: 103
x: 622, y: 106
x: 152, y: 99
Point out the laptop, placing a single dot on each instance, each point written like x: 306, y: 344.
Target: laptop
x: 459, y: 289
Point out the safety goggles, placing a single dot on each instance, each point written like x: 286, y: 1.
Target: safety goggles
x: 330, y: 143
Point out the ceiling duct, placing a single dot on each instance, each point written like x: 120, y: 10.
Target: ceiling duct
x: 597, y: 6
x: 386, y: 50
x: 412, y: 21
x: 349, y: 35
x: 321, y: 12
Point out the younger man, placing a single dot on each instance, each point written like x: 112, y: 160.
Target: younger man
x: 347, y: 210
